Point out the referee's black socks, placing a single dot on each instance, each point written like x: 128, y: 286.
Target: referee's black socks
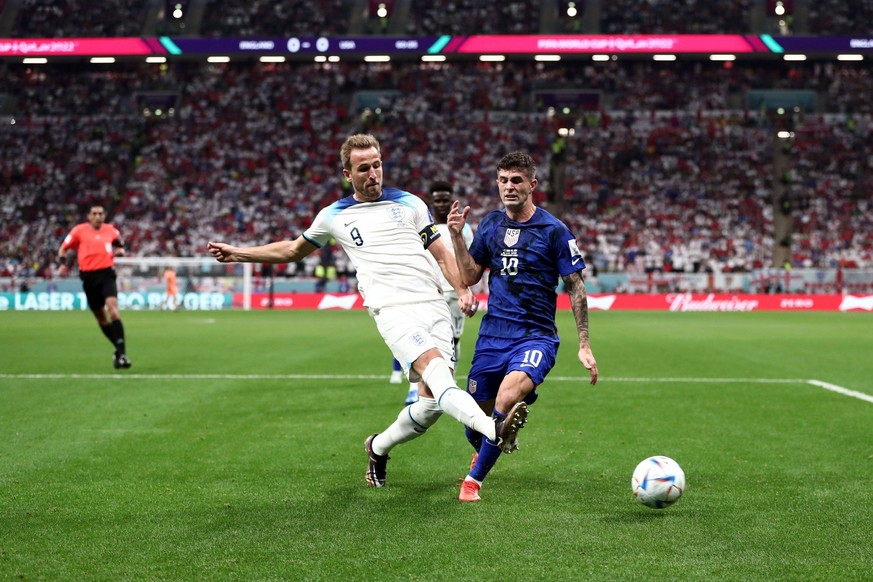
x: 118, y: 333
x: 107, y: 331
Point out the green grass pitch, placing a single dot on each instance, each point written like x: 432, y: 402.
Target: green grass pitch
x: 233, y: 450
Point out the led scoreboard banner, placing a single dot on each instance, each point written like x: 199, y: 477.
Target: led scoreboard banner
x: 304, y: 45
x: 562, y: 44
x: 819, y: 44
x: 477, y: 44
x: 124, y: 47
x: 86, y: 47
x: 608, y: 43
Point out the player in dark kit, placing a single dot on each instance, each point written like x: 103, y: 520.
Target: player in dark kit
x: 96, y: 245
x: 526, y: 250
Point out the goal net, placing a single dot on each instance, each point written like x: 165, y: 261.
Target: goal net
x: 201, y: 283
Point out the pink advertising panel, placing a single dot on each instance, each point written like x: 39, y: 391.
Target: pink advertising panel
x: 68, y: 47
x: 607, y: 43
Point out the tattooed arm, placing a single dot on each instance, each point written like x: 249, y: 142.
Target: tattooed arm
x: 579, y: 303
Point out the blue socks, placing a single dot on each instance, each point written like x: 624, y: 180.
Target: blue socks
x: 474, y: 438
x: 489, y: 452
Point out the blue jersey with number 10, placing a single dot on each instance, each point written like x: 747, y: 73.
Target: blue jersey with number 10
x: 526, y: 260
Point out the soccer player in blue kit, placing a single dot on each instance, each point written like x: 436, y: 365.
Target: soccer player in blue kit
x: 526, y: 250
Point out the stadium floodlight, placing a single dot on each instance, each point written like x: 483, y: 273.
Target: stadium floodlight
x: 794, y: 57
x: 157, y: 60
x: 34, y: 60
x: 102, y: 60
x: 722, y: 57
x: 850, y: 57
x: 492, y: 58
x: 785, y: 134
x: 433, y: 58
x: 217, y: 59
x: 600, y: 58
x: 320, y: 59
x: 272, y: 59
x: 664, y: 58
x: 377, y: 58
x: 333, y: 59
x: 547, y: 58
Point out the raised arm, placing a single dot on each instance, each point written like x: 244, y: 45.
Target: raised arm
x: 443, y: 256
x: 579, y: 303
x: 286, y: 251
x: 471, y: 272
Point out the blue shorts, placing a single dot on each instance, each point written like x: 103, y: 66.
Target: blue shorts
x: 495, y: 357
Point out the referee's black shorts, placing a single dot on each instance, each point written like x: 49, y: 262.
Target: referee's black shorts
x: 99, y: 285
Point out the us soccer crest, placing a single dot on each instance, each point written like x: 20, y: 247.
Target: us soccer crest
x: 396, y: 212
x: 511, y: 236
x: 471, y: 386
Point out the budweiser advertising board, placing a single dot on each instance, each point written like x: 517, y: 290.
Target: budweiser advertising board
x: 608, y: 302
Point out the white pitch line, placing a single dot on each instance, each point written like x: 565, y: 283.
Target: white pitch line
x: 694, y: 380
x: 818, y: 383
x: 123, y: 376
x: 841, y: 390
x: 192, y: 376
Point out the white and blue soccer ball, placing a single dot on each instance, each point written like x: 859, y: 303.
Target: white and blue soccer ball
x: 658, y: 482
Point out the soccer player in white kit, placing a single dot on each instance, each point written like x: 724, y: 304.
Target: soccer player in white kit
x: 440, y: 205
x: 386, y: 232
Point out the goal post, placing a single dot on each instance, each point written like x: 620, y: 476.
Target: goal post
x: 203, y: 283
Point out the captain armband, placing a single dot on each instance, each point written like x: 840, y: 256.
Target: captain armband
x: 429, y: 234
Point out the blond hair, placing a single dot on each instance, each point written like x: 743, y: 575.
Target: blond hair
x: 359, y: 141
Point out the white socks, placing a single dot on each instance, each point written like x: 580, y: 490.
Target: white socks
x: 415, y: 419
x: 412, y: 422
x: 454, y: 401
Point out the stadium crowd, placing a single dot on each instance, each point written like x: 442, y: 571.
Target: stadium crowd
x: 659, y: 17
x: 66, y: 18
x: 841, y: 18
x: 462, y: 16
x: 214, y: 18
x: 262, y: 18
x: 667, y: 166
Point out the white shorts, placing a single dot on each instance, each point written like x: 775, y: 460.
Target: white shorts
x: 457, y: 315
x: 411, y: 330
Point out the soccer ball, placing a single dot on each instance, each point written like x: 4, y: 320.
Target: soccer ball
x: 658, y: 482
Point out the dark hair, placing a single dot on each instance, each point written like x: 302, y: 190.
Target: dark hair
x: 440, y: 186
x: 519, y: 161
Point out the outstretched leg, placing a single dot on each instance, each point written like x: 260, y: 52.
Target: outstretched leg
x: 412, y: 422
